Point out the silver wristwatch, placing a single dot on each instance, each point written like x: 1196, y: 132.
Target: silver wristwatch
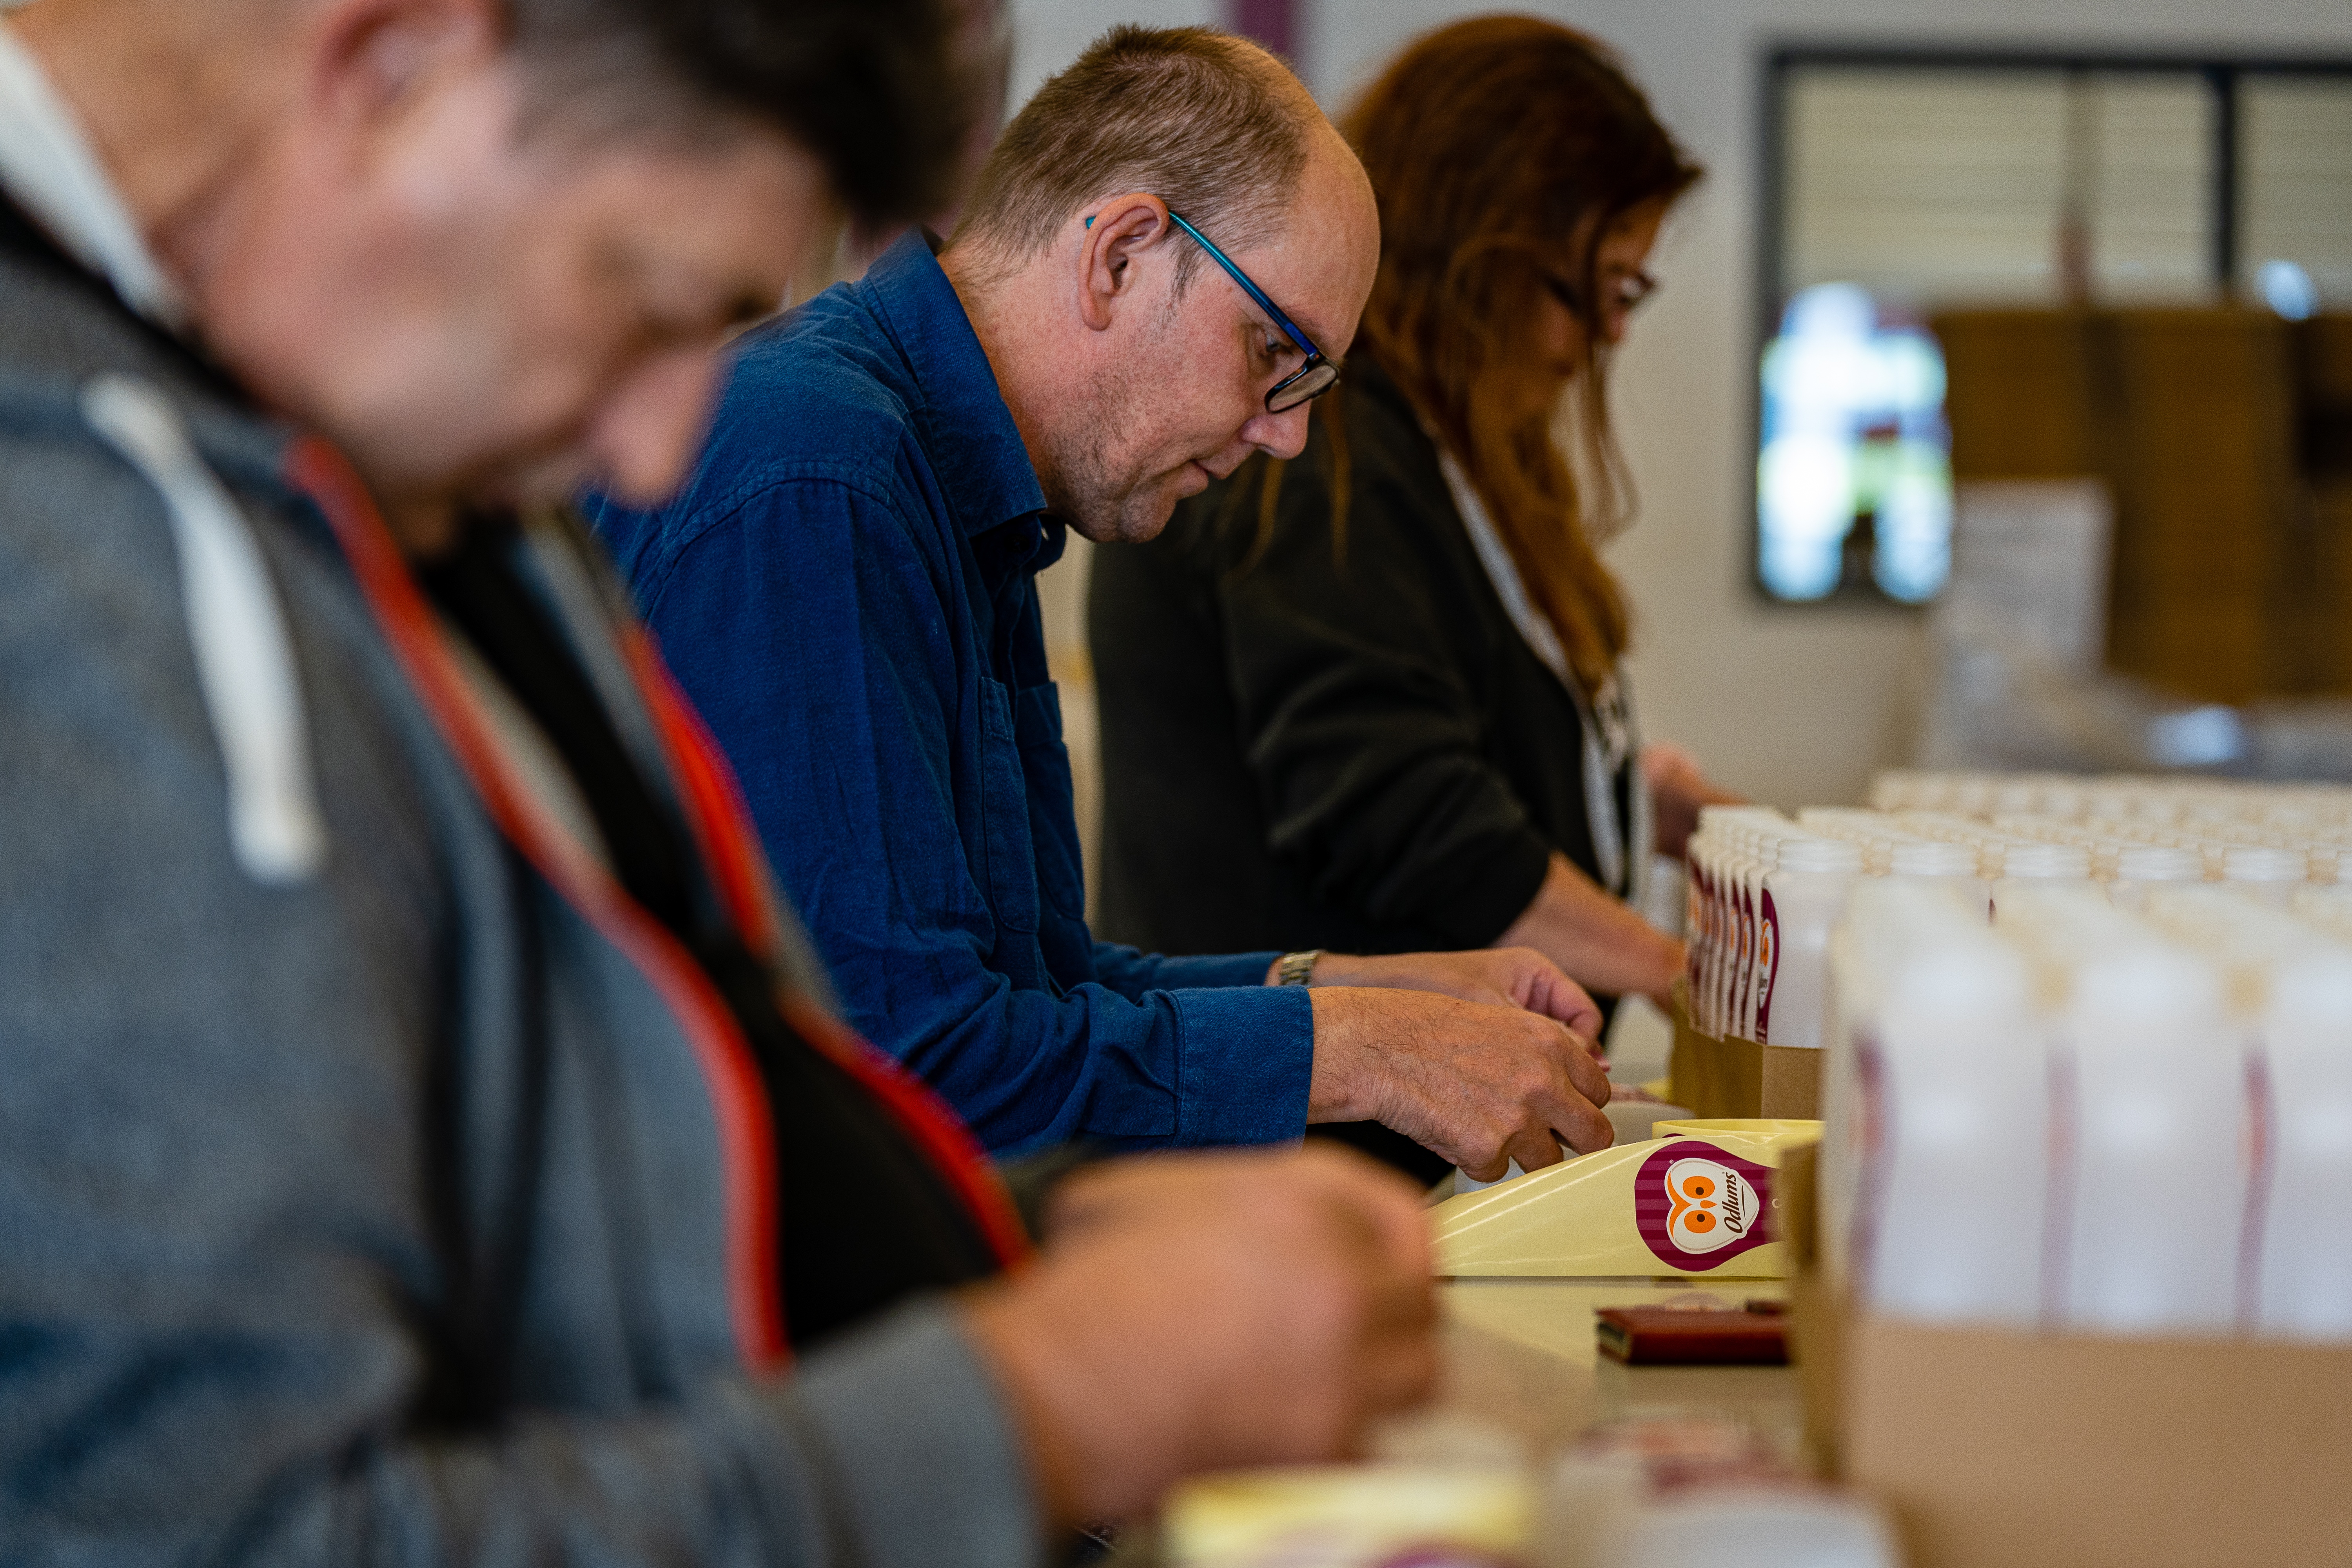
x: 1296, y: 968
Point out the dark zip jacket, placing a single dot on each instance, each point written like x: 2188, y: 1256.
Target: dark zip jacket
x: 421, y: 1139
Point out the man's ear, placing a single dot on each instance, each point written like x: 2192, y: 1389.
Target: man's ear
x: 1115, y: 234
x: 371, y: 59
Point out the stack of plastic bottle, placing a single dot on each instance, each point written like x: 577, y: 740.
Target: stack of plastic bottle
x: 1764, y: 890
x: 2085, y: 1118
x: 2089, y: 1042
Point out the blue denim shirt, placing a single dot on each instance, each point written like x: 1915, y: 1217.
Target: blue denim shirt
x: 846, y: 589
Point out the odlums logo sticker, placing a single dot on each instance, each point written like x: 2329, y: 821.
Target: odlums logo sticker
x: 1698, y: 1206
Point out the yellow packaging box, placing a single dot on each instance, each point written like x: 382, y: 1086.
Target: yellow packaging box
x: 1696, y: 1199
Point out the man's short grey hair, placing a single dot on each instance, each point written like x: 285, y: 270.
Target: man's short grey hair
x: 1209, y: 123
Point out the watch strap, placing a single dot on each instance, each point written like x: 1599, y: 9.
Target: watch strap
x: 1296, y: 968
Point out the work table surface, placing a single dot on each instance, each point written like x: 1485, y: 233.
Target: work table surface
x: 1520, y: 1351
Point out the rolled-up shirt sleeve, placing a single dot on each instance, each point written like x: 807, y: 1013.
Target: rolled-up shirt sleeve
x: 808, y: 623
x: 245, y: 1324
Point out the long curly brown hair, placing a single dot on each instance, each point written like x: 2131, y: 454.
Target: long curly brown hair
x: 1497, y: 148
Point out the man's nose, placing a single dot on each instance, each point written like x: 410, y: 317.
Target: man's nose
x: 1282, y: 434
x: 647, y: 433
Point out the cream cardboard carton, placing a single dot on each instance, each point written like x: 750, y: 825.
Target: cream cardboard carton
x: 1694, y: 1199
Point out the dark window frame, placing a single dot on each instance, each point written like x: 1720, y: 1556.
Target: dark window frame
x: 2225, y: 74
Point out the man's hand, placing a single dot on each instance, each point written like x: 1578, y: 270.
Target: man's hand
x: 1195, y: 1312
x: 1481, y: 1085
x: 1508, y: 976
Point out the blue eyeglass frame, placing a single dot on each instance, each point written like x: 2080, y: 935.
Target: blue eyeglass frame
x: 1319, y: 376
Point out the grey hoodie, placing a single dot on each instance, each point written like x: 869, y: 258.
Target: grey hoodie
x: 367, y: 1190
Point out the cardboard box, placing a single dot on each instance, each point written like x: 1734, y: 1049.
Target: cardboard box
x: 2203, y: 453
x: 2022, y: 1451
x: 1998, y: 1449
x: 2329, y: 608
x: 1717, y: 1077
x: 2189, y: 416
x: 2017, y: 394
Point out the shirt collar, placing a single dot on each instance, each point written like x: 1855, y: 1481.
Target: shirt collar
x: 49, y: 166
x: 966, y: 430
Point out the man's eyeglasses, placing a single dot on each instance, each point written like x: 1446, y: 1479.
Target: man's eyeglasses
x: 1310, y: 380
x: 1621, y: 295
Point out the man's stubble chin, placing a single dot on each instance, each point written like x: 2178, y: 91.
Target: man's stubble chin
x: 1097, y: 486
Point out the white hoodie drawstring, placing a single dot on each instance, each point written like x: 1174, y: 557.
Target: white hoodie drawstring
x: 244, y: 658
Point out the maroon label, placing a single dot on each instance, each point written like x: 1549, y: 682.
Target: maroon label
x: 1698, y: 1206
x: 1768, y: 965
x: 1746, y: 974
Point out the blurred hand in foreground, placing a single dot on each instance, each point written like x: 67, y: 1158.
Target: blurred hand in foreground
x: 1194, y: 1313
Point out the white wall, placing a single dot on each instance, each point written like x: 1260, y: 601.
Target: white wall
x: 1795, y: 705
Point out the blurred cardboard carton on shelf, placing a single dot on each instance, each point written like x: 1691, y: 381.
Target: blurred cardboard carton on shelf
x: 1998, y: 1449
x: 2330, y: 636
x: 2187, y: 418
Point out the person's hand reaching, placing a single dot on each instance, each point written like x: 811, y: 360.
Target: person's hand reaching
x: 1479, y: 1083
x: 1199, y: 1312
x: 1508, y: 976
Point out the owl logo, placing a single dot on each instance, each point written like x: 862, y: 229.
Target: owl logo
x: 1698, y: 1206
x: 1710, y: 1205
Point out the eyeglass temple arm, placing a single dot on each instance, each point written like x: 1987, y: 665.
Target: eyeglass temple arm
x: 1238, y: 275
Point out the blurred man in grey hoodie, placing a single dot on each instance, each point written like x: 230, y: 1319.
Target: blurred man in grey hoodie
x: 421, y: 1133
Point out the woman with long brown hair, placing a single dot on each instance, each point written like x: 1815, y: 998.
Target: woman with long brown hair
x: 1371, y: 700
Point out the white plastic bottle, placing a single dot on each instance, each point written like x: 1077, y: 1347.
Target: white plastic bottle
x: 1951, y: 866
x: 1956, y: 1091
x: 1763, y: 853
x: 1740, y: 947
x: 2026, y: 864
x: 2266, y: 871
x: 2303, y: 1286
x: 1738, y: 935
x: 1698, y: 917
x: 1762, y: 953
x: 2293, y: 982
x: 1800, y: 900
x: 2156, y: 1182
x: 2140, y: 867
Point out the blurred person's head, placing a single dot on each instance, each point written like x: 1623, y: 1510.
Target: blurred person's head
x: 489, y: 246
x: 1136, y: 366
x: 1521, y: 180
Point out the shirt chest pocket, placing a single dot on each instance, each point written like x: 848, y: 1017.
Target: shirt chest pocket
x: 1010, y: 852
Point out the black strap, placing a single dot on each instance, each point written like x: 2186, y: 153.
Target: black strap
x: 878, y: 1222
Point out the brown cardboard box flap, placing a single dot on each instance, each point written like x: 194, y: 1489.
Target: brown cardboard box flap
x: 2005, y: 1450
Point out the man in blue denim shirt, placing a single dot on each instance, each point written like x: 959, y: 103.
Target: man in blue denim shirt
x: 846, y: 590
